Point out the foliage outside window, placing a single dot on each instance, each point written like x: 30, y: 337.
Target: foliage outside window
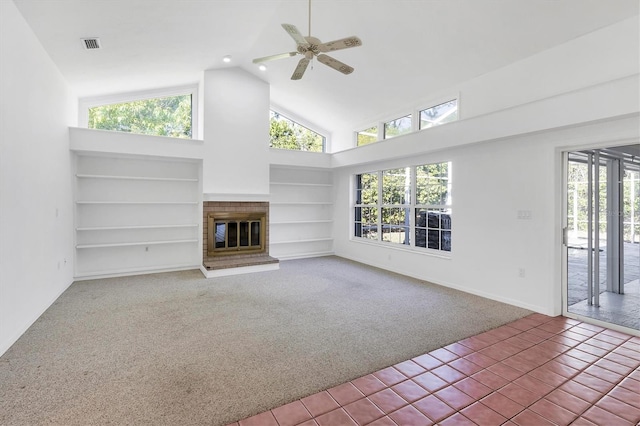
x: 385, y: 209
x: 577, y: 212
x: 439, y: 114
x: 395, y: 213
x: 368, y: 136
x: 433, y: 206
x: 165, y: 116
x: 397, y: 127
x: 287, y: 134
x: 366, y: 219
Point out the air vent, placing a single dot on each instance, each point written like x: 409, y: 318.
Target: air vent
x: 91, y: 43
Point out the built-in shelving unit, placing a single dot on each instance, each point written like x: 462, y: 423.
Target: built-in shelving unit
x: 136, y: 214
x: 301, y: 212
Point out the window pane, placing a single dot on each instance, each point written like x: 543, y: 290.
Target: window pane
x: 367, y: 188
x: 445, y: 240
x: 366, y: 221
x: 433, y: 239
x: 168, y: 116
x: 395, y: 225
x: 433, y: 186
x: 368, y: 136
x: 433, y: 228
x: 396, y: 186
x: 399, y: 126
x: 287, y: 134
x: 439, y: 114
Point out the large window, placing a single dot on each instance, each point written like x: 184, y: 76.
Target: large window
x: 169, y: 112
x: 285, y: 133
x: 167, y: 116
x: 387, y: 210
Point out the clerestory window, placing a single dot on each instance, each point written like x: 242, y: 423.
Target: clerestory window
x: 284, y: 133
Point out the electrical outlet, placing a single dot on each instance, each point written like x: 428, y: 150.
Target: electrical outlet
x: 524, y: 214
x: 521, y: 272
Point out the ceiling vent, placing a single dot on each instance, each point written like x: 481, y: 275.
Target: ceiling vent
x: 91, y: 43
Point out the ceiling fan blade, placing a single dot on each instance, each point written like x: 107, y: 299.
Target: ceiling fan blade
x: 335, y: 64
x: 300, y: 69
x: 295, y: 34
x: 274, y: 57
x: 343, y: 43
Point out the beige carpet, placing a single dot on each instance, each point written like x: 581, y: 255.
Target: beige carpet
x: 179, y: 349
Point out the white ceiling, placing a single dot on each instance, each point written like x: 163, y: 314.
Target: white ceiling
x: 411, y: 48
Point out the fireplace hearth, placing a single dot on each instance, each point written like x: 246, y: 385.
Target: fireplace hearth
x: 236, y: 238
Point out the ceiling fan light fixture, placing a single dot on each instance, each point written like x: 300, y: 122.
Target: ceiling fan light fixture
x: 226, y: 59
x: 311, y: 47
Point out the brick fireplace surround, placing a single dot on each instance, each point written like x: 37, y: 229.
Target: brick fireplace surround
x: 241, y: 262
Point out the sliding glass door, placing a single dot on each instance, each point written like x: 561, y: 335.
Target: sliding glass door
x: 602, y: 235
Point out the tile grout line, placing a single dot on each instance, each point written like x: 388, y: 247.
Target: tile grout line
x: 488, y: 338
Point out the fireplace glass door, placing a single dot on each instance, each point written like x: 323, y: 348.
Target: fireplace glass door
x: 229, y: 235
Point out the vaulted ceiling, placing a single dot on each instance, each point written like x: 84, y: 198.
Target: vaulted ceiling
x: 411, y: 48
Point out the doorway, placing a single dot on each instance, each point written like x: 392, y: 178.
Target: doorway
x: 602, y: 236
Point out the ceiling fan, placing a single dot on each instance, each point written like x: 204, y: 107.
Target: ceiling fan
x: 311, y: 47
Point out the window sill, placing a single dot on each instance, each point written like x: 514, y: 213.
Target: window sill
x: 408, y: 249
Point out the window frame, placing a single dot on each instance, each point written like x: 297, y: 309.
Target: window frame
x: 84, y: 104
x: 419, y: 116
x: 377, y: 135
x: 415, y: 114
x: 406, y: 116
x: 304, y: 123
x: 412, y: 206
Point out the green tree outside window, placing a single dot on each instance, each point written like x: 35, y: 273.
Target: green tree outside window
x: 168, y: 116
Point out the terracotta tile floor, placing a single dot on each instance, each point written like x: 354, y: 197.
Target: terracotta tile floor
x: 538, y: 370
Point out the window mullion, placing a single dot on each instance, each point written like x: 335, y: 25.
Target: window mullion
x: 379, y: 205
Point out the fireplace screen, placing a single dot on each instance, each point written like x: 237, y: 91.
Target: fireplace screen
x: 231, y: 233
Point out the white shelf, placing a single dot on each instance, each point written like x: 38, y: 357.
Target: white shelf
x: 305, y: 255
x: 115, y: 228
x: 309, y: 240
x: 124, y: 204
x: 302, y: 203
x: 136, y: 243
x: 301, y: 222
x: 138, y: 202
x: 128, y: 271
x: 328, y: 185
x: 301, y: 214
x: 166, y: 179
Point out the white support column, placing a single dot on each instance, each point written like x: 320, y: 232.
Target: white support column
x: 590, y: 229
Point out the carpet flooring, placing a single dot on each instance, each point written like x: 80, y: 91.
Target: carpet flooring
x: 176, y: 348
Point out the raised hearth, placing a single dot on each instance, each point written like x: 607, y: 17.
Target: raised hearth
x: 235, y: 238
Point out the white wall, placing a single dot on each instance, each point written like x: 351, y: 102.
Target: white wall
x: 492, y: 181
x: 594, y: 59
x: 506, y: 153
x: 36, y: 220
x: 236, y: 132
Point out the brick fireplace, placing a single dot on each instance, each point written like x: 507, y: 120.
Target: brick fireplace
x: 235, y: 238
